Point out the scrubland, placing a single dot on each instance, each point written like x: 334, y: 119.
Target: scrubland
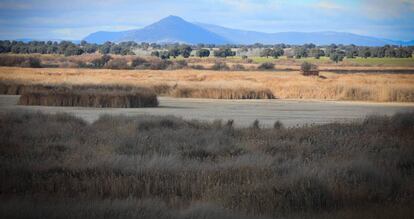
x: 59, y: 166
x: 380, y: 87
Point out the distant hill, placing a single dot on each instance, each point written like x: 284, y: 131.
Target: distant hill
x: 174, y: 29
x: 168, y: 30
x: 299, y: 38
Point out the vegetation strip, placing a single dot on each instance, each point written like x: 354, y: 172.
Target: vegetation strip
x: 165, y: 167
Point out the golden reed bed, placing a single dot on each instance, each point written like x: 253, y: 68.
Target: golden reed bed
x: 211, y: 84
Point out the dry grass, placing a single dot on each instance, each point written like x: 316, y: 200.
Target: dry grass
x: 99, y: 99
x: 58, y: 166
x: 330, y: 86
x: 86, y: 96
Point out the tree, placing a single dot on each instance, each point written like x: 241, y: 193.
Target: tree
x: 275, y: 53
x: 266, y: 53
x: 155, y: 53
x: 73, y: 51
x: 185, y: 50
x: 203, y: 53
x: 105, y: 48
x: 301, y: 52
x: 365, y: 53
x: 224, y: 52
x: 164, y: 55
x: 337, y: 56
x: 174, y: 52
x: 316, y: 53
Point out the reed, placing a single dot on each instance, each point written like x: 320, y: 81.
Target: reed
x: 89, y: 98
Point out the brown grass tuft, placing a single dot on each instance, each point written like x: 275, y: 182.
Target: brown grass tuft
x: 89, y: 98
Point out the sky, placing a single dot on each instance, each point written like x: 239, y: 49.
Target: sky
x: 75, y: 19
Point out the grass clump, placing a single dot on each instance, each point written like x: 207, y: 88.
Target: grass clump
x: 62, y: 96
x: 266, y: 66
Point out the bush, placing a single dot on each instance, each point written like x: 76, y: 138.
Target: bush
x: 20, y: 61
x: 101, y: 62
x: 138, y: 62
x: 309, y: 69
x: 33, y: 62
x: 266, y: 66
x: 197, y: 67
x: 118, y: 63
x: 220, y: 66
x: 238, y: 67
x: 157, y: 64
x: 179, y: 64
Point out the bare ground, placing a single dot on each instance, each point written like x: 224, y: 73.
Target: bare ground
x: 243, y: 112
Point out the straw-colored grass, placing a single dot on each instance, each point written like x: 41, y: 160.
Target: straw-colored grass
x: 329, y: 86
x: 59, y: 166
x: 97, y: 98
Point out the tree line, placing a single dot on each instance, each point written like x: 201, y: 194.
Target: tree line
x: 66, y: 48
x: 339, y: 52
x: 165, y: 51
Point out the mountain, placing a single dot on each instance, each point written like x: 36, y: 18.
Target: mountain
x: 174, y: 29
x: 168, y: 30
x: 299, y: 38
x: 27, y: 40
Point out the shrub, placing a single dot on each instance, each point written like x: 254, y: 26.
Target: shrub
x: 29, y: 62
x: 278, y: 125
x: 179, y: 64
x: 197, y: 67
x: 220, y: 66
x: 32, y: 62
x: 238, y: 67
x: 157, y: 64
x: 118, y: 63
x: 101, y: 62
x: 266, y: 66
x: 138, y: 62
x: 309, y: 69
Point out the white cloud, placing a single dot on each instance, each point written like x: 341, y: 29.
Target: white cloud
x: 386, y: 9
x: 328, y: 5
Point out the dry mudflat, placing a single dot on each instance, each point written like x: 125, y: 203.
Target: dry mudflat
x: 243, y: 112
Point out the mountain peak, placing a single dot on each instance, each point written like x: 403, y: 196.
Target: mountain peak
x: 172, y: 29
x: 172, y: 18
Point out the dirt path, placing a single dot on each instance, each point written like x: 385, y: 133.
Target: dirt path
x: 244, y: 112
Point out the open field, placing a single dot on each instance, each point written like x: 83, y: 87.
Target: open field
x: 243, y: 112
x: 225, y: 84
x: 59, y: 166
x: 402, y: 65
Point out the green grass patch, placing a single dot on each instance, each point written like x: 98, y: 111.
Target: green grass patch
x: 382, y: 61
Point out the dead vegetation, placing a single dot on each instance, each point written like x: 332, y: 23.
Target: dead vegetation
x: 58, y: 166
x: 92, y: 96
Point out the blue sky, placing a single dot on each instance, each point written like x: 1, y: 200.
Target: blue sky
x: 74, y: 19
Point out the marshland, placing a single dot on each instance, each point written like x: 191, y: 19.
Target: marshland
x: 166, y: 167
x: 108, y: 111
